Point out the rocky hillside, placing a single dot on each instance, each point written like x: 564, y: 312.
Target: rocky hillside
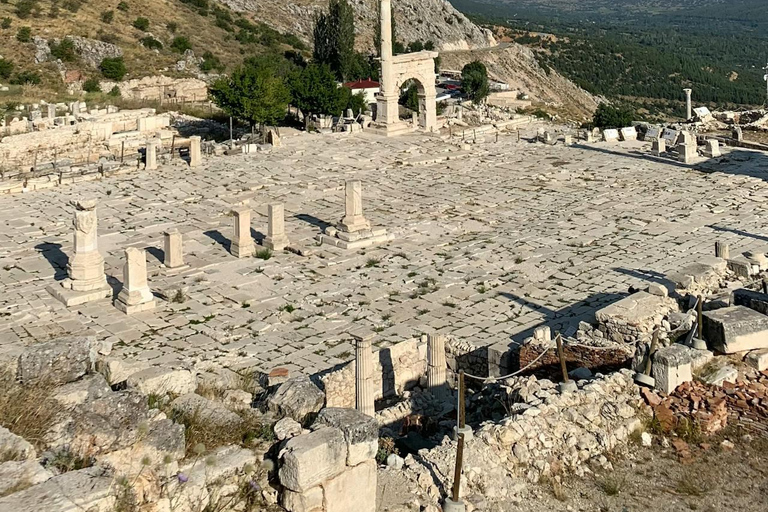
x: 415, y: 20
x: 516, y: 65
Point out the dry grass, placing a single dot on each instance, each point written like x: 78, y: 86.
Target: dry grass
x: 612, y: 485
x: 690, y: 485
x: 203, y: 436
x: 27, y: 411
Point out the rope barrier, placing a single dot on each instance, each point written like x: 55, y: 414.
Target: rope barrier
x: 518, y: 372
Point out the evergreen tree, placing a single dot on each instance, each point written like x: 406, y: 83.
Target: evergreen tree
x: 315, y: 91
x: 334, y: 38
x: 474, y: 79
x: 254, y: 93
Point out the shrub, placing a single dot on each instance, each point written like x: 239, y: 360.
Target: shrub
x: 108, y: 16
x: 24, y: 8
x: 26, y: 78
x: 211, y: 62
x: 24, y: 35
x: 122, y: 6
x: 141, y: 24
x: 151, y: 43
x: 108, y: 37
x: 92, y: 85
x: 73, y: 5
x: 113, y: 68
x: 65, y: 50
x: 6, y: 24
x: 181, y: 44
x: 6, y: 68
x: 172, y: 27
x: 115, y: 92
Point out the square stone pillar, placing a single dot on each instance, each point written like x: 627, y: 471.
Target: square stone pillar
x: 195, y: 152
x: 151, y: 155
x: 658, y: 147
x: 174, y: 250
x: 364, y: 401
x: 353, y: 220
x: 686, y: 152
x: 135, y: 296
x: 276, y: 239
x: 242, y: 242
x: 51, y: 110
x: 712, y: 150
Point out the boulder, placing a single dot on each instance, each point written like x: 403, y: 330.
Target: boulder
x: 76, y: 491
x: 361, y: 432
x: 297, y: 398
x: 736, y: 329
x: 13, y: 447
x: 60, y: 361
x: 104, y: 425
x: 311, y: 459
x: 204, y: 410
x: 84, y: 390
x: 287, y: 428
x: 18, y: 475
x: 161, y: 381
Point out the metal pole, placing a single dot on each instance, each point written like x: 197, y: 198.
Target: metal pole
x: 231, y: 134
x: 122, y: 152
x: 700, y: 317
x: 460, y: 438
x: 173, y: 146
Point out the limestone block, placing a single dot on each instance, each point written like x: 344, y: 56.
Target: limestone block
x: 758, y: 359
x: 736, y: 329
x: 88, y: 489
x: 206, y: 410
x: 628, y: 133
x: 717, y: 376
x: 362, y: 479
x: 311, y: 459
x: 611, y: 135
x: 13, y: 447
x: 297, y: 398
x: 309, y: 501
x: 21, y: 473
x: 75, y: 393
x: 658, y: 147
x: 57, y: 362
x: 751, y: 299
x: 361, y: 432
x: 161, y: 381
x: 671, y: 367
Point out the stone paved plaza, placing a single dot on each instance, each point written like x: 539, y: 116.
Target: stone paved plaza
x: 490, y: 242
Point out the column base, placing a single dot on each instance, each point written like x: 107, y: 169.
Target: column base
x: 453, y: 506
x: 129, y: 309
x: 357, y: 240
x: 71, y: 298
x: 276, y: 244
x: 242, y: 251
x: 391, y: 129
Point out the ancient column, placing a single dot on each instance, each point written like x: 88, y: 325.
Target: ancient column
x: 353, y: 208
x: 722, y: 250
x: 174, y: 250
x: 151, y: 155
x: 242, y: 242
x: 195, y: 152
x: 388, y: 111
x: 86, y: 268
x: 436, y: 366
x: 688, y: 106
x: 364, y: 375
x: 135, y: 295
x: 276, y: 239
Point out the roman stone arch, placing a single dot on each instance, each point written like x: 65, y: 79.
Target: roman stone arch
x: 395, y: 71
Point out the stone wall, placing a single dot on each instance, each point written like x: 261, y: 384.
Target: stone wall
x: 163, y: 89
x: 332, y: 468
x: 576, y: 356
x: 396, y: 369
x: 547, y: 433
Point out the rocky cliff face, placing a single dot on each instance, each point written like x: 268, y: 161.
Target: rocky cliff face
x: 415, y: 20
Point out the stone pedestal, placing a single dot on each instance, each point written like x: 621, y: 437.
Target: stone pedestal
x: 712, y: 149
x: 738, y: 134
x: 195, y: 152
x: 242, y: 242
x: 276, y: 239
x: 658, y: 147
x: 686, y: 152
x: 151, y: 155
x: 174, y: 251
x: 436, y: 366
x: 354, y: 231
x: 87, y: 281
x: 135, y: 296
x: 363, y: 375
x: 51, y: 111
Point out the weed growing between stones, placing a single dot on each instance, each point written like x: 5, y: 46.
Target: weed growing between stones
x: 263, y: 254
x: 27, y: 411
x: 202, y: 436
x: 386, y: 448
x: 612, y: 485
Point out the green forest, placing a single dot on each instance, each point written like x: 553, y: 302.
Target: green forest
x: 645, y: 59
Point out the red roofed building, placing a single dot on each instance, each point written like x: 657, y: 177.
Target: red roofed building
x: 369, y: 88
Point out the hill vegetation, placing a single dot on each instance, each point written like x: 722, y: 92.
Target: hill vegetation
x: 644, y: 52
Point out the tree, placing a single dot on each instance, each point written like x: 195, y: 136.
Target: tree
x: 113, y: 68
x: 334, y: 38
x: 354, y: 102
x: 474, y: 78
x: 181, y: 44
x: 315, y: 91
x: 6, y: 68
x: 65, y: 50
x: 254, y: 93
x: 608, y: 116
x: 410, y: 98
